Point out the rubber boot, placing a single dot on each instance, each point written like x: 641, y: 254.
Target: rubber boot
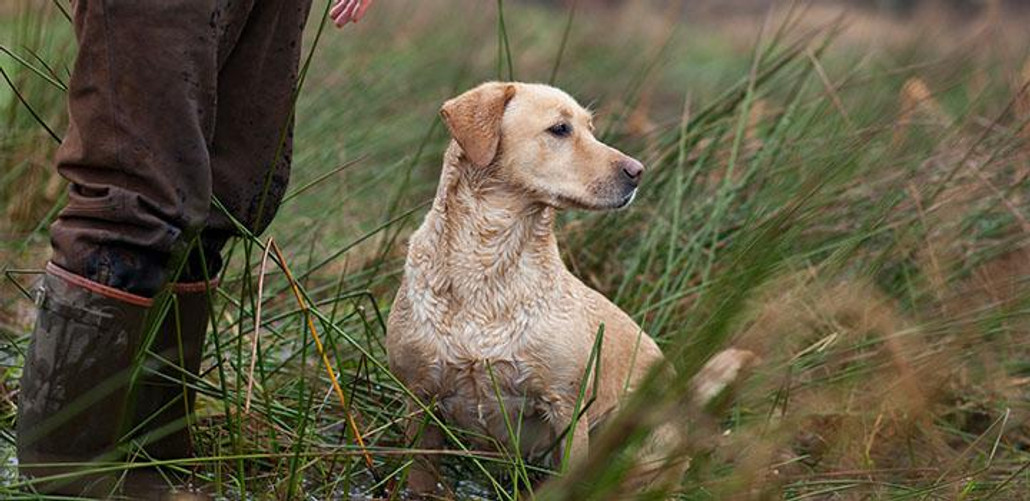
x: 165, y: 400
x: 75, y: 383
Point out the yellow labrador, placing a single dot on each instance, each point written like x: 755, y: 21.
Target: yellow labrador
x: 486, y: 306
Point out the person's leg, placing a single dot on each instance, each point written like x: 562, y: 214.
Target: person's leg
x: 252, y: 149
x: 259, y: 50
x: 140, y: 103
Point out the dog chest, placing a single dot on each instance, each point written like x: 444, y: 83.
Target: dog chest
x: 501, y: 399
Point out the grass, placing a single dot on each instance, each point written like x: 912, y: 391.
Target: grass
x: 851, y: 207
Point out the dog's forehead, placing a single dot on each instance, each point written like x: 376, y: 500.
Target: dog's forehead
x: 546, y: 102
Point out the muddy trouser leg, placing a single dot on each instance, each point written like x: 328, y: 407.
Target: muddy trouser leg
x: 141, y: 106
x: 259, y: 50
x: 253, y: 140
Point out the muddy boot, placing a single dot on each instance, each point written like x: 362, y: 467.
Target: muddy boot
x: 165, y: 399
x: 75, y: 383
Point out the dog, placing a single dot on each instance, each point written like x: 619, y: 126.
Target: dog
x: 488, y: 324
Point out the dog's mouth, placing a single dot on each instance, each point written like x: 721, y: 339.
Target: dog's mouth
x: 579, y: 203
x: 627, y: 199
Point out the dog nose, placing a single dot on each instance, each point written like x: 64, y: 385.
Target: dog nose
x: 632, y: 169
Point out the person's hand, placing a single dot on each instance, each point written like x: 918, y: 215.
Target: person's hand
x: 346, y: 11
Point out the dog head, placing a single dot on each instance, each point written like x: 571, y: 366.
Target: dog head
x: 538, y: 140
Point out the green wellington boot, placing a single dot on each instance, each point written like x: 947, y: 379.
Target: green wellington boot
x: 75, y: 384
x: 165, y: 399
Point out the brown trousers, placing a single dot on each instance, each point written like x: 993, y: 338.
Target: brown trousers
x: 172, y: 103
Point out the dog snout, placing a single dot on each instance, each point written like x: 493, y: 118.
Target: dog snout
x: 631, y: 169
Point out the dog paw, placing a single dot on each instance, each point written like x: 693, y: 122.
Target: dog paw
x: 720, y: 373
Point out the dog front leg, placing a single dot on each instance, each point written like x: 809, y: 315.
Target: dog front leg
x: 578, y: 449
x: 424, y: 473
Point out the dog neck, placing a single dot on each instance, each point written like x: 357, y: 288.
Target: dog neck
x: 486, y: 240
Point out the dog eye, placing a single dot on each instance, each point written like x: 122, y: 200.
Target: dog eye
x: 560, y: 130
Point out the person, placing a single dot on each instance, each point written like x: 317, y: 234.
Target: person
x: 175, y: 106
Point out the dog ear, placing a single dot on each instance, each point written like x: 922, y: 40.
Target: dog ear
x: 474, y: 119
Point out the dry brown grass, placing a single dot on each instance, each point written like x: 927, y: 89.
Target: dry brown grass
x: 890, y: 420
